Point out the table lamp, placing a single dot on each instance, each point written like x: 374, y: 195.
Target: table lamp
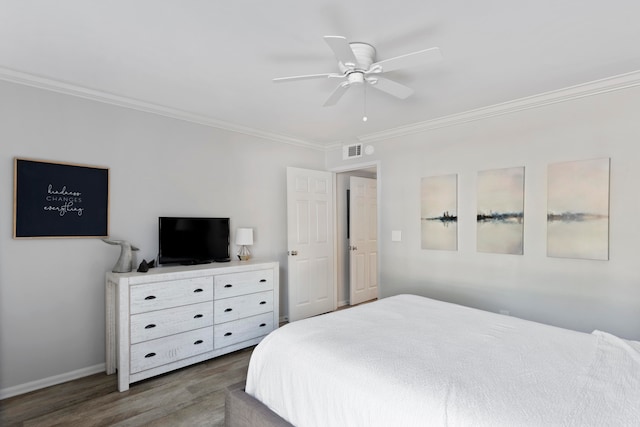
x: 244, y: 239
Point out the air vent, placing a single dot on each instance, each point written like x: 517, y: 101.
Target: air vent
x: 351, y: 151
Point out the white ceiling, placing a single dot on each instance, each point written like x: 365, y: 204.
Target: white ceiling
x: 214, y: 60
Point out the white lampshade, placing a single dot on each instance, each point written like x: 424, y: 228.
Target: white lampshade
x: 244, y: 236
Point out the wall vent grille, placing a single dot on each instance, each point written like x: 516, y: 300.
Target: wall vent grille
x: 351, y: 151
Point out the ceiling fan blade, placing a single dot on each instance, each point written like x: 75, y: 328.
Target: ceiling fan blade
x: 341, y: 50
x: 336, y: 94
x: 409, y: 60
x: 390, y: 87
x: 305, y: 77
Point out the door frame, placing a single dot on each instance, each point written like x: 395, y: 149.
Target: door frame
x: 351, y: 168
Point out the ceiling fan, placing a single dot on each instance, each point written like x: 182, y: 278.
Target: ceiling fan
x: 357, y: 65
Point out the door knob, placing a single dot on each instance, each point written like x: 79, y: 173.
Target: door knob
x: 293, y: 253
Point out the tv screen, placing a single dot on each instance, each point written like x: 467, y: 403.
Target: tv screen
x: 193, y: 240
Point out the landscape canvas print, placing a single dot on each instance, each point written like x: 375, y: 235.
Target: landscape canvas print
x: 578, y: 209
x: 439, y: 212
x: 500, y: 217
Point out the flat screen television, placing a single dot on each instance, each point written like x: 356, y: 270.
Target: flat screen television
x: 193, y: 240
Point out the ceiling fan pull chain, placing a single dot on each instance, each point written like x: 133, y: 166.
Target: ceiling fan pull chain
x: 364, y: 102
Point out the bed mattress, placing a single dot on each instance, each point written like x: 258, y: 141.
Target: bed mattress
x: 412, y: 361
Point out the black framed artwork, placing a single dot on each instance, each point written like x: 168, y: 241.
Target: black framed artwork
x: 59, y: 200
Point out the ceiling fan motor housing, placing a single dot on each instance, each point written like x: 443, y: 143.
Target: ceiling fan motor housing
x: 365, y: 56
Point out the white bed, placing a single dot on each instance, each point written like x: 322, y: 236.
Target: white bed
x: 412, y: 361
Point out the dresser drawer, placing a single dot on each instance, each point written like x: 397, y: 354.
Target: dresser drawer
x: 157, y: 324
x: 237, y: 331
x: 161, y: 295
x: 231, y: 285
x: 149, y: 354
x: 235, y: 308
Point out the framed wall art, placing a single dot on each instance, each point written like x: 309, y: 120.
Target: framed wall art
x: 439, y: 212
x: 578, y: 209
x: 59, y: 200
x: 500, y: 215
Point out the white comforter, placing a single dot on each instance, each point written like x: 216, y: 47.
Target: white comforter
x: 412, y: 361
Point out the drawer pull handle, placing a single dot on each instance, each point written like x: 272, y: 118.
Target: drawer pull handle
x: 150, y: 326
x: 262, y: 325
x: 228, y: 285
x: 228, y: 334
x: 197, y: 316
x: 263, y: 280
x: 263, y: 302
x: 150, y: 297
x: 197, y: 290
x: 228, y: 310
x: 198, y: 342
x: 148, y: 355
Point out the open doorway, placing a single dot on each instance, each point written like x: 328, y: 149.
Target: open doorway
x: 357, y: 264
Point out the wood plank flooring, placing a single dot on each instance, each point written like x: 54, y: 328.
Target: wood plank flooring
x: 192, y: 396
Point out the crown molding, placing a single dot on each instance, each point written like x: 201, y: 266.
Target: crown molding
x: 593, y: 88
x: 147, y: 107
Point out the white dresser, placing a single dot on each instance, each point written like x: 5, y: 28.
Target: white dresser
x: 171, y: 317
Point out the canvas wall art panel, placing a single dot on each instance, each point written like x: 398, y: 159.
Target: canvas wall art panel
x: 578, y: 209
x: 439, y: 212
x: 55, y: 199
x: 500, y: 215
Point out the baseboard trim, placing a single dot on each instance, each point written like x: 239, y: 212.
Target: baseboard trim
x: 47, y: 382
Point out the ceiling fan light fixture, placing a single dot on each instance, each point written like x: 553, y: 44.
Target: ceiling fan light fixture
x: 355, y: 77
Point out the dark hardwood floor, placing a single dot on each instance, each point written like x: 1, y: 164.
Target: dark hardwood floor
x: 192, y: 396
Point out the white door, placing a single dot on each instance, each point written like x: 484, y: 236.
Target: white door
x: 311, y: 247
x: 363, y: 240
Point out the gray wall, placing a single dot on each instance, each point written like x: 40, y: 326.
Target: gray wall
x: 572, y: 293
x: 52, y: 290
